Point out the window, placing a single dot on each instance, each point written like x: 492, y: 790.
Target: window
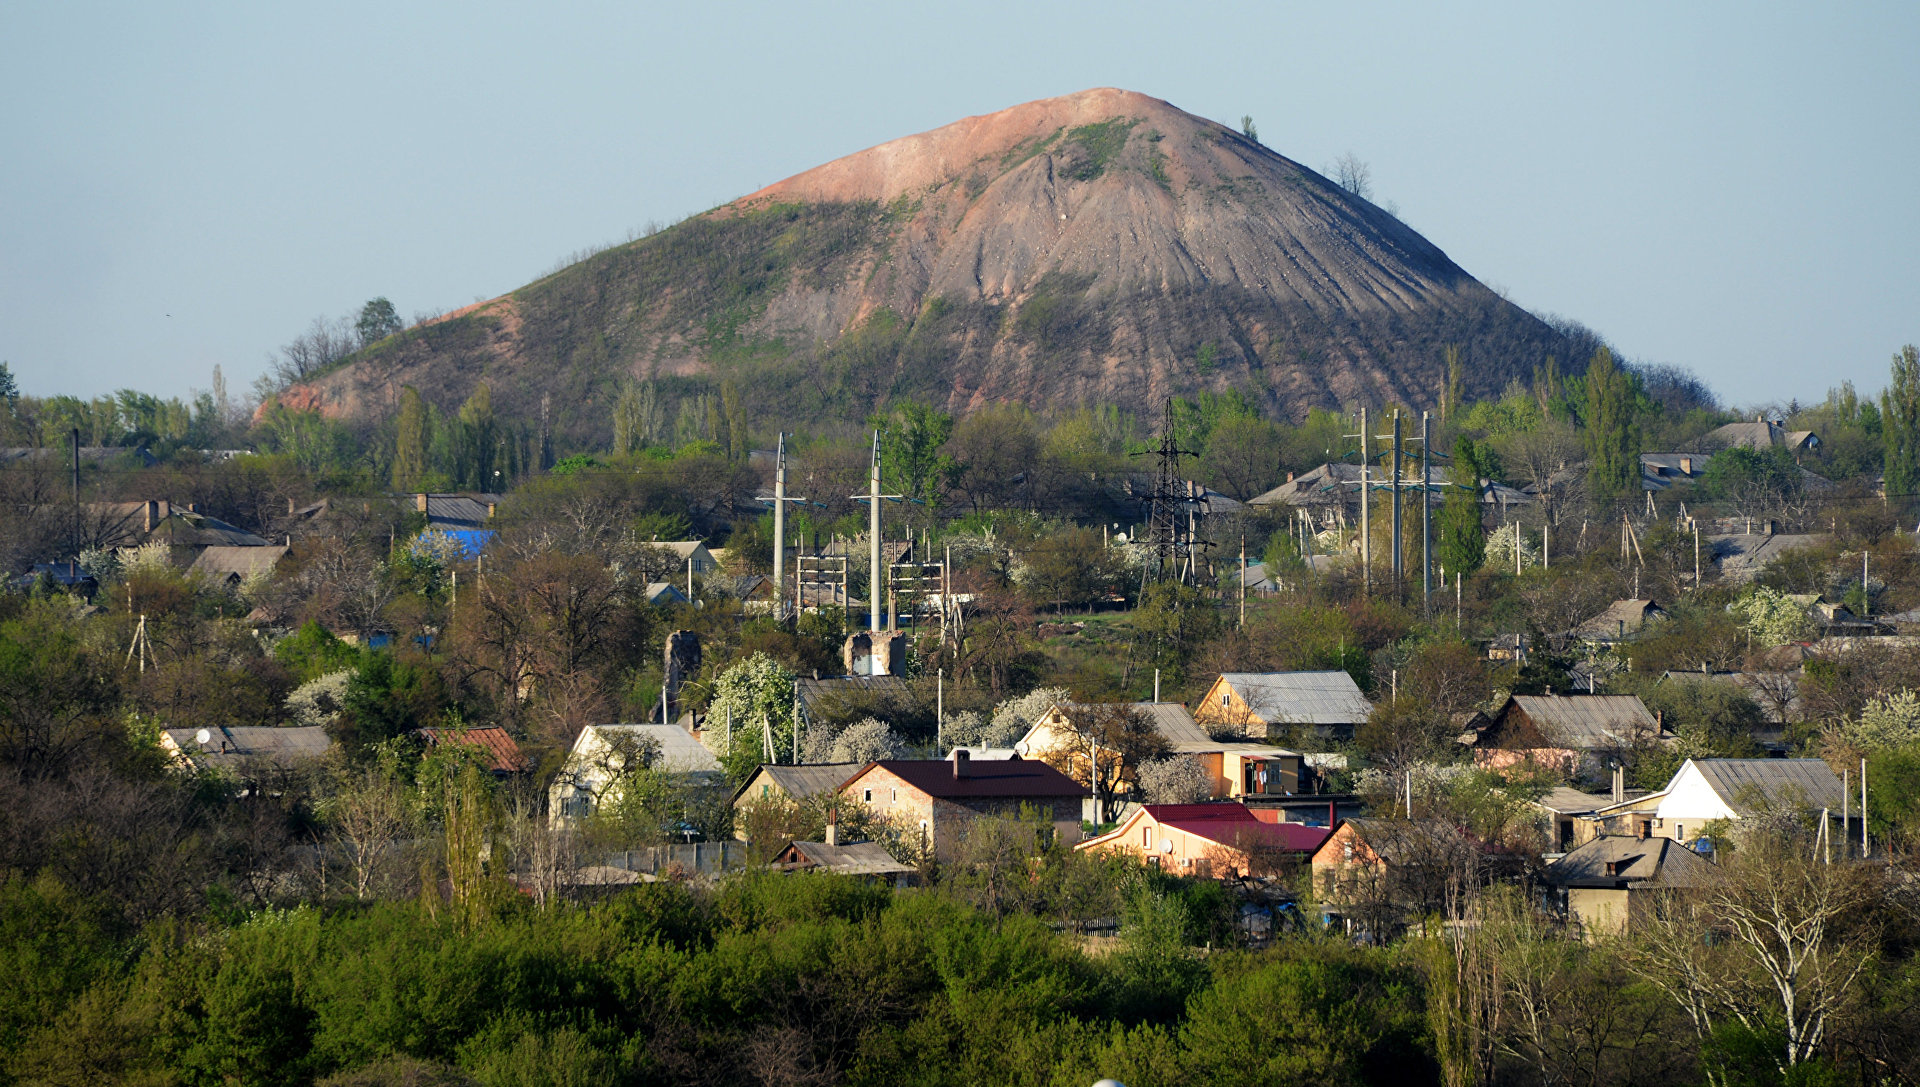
x: 1223, y: 697
x: 894, y: 794
x: 867, y: 796
x: 1146, y: 837
x: 766, y: 791
x: 1679, y: 832
x: 579, y: 805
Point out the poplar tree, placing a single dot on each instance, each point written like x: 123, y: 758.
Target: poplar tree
x: 1463, y: 541
x: 1900, y: 427
x: 1613, y: 466
x: 410, y: 445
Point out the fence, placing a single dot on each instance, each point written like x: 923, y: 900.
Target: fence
x: 707, y: 858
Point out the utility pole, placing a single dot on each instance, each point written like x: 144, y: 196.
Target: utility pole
x: 74, y: 433
x: 1366, y: 518
x: 940, y: 710
x: 1426, y: 518
x: 873, y: 498
x: 1399, y: 561
x: 1243, y: 581
x: 780, y: 517
x: 1696, y: 553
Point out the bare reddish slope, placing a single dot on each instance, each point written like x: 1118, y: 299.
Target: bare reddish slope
x: 1101, y: 247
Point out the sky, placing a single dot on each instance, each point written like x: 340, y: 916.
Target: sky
x: 1731, y: 188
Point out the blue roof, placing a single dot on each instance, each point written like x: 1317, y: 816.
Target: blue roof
x: 471, y: 540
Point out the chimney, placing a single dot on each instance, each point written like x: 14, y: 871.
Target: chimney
x: 1619, y: 784
x: 1289, y: 477
x: 1646, y: 829
x: 1613, y: 868
x: 833, y: 826
x: 962, y: 767
x: 289, y: 507
x: 420, y: 503
x: 150, y: 518
x: 491, y: 507
x: 1686, y: 466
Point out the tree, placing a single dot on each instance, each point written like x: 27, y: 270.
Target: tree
x: 410, y: 443
x: 1072, y: 567
x: 911, y: 437
x: 478, y: 438
x: 10, y: 389
x: 324, y: 343
x: 756, y: 696
x: 1754, y: 482
x: 1353, y: 175
x: 1613, y: 469
x: 368, y: 812
x: 377, y: 321
x: 1463, y: 540
x: 1108, y: 741
x: 1901, y: 423
x: 1247, y: 128
x: 1243, y: 455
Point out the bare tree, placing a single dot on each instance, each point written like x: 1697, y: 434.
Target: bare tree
x: 324, y: 343
x: 1353, y: 175
x: 369, y: 813
x: 545, y: 855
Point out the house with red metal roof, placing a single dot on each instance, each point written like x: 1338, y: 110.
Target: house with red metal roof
x: 934, y: 802
x: 496, y: 751
x: 1210, y: 841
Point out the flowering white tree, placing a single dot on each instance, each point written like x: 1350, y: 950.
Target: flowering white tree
x: 1772, y: 617
x: 757, y: 697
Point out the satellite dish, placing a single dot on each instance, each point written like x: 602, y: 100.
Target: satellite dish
x: 1166, y: 845
x: 203, y: 737
x: 1020, y: 749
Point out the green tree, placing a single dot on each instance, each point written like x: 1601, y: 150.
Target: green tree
x: 410, y: 442
x: 911, y: 435
x: 1613, y: 468
x: 377, y: 321
x: 1248, y: 129
x: 1463, y: 539
x: 757, y: 697
x: 1901, y: 423
x: 9, y: 388
x: 478, y: 440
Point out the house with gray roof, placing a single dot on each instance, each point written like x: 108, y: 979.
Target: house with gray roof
x: 243, y: 749
x: 1572, y: 732
x: 1762, y: 434
x: 604, y: 759
x: 1740, y: 557
x: 1612, y: 881
x: 1271, y: 704
x: 1710, y: 790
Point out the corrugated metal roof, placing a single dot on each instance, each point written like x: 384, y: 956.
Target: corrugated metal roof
x: 227, y: 560
x: 816, y: 693
x: 1568, y: 801
x: 1306, y: 698
x: 230, y: 748
x: 1012, y: 778
x: 800, y: 782
x: 680, y: 753
x: 1749, y: 784
x: 857, y: 859
x: 1171, y: 720
x: 503, y: 755
x: 1650, y: 862
x: 1589, y: 721
x: 1233, y: 824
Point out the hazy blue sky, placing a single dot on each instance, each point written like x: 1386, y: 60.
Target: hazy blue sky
x: 1729, y: 188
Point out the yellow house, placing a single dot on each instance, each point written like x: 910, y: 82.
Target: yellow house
x: 1271, y: 704
x: 1234, y: 769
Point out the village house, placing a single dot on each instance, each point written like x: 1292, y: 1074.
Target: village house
x: 455, y: 513
x: 692, y: 554
x: 1611, y: 881
x: 604, y: 757
x: 1209, y: 841
x: 243, y: 749
x: 492, y: 748
x: 868, y: 859
x: 1370, y: 874
x: 1762, y: 434
x: 1328, y: 705
x: 229, y: 566
x: 184, y: 529
x: 1704, y: 791
x: 1622, y: 621
x: 1574, y: 734
x: 774, y: 783
x: 934, y: 801
x: 1233, y: 769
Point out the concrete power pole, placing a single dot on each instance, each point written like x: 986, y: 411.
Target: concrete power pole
x: 1366, y: 518
x: 780, y: 519
x: 1426, y: 520
x: 873, y: 539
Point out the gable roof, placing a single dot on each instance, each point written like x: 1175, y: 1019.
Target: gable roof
x: 1234, y: 825
x: 1746, y: 785
x: 1306, y: 698
x: 1642, y: 862
x: 1171, y: 720
x: 680, y: 753
x: 1397, y: 840
x: 501, y: 753
x: 449, y: 512
x: 1588, y: 721
x: 856, y: 859
x: 1564, y: 801
x: 984, y: 780
x: 816, y: 694
x: 1621, y: 615
x: 799, y: 782
x: 1741, y: 556
x: 229, y: 561
x: 665, y: 592
x: 232, y: 748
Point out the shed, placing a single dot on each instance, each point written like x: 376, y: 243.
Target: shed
x: 855, y: 859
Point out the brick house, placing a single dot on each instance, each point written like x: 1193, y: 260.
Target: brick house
x: 1209, y: 840
x: 936, y: 799
x: 1574, y: 733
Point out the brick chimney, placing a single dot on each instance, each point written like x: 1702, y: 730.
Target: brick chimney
x: 962, y: 763
x: 1686, y: 466
x: 420, y: 503
x: 833, y: 826
x: 151, y: 516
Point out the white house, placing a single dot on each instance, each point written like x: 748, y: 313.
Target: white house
x: 604, y: 755
x: 1705, y: 790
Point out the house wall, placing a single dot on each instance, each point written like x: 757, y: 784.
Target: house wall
x: 1690, y: 804
x: 942, y: 824
x: 1601, y: 911
x: 1234, y: 711
x: 1174, y: 850
x: 1342, y: 858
